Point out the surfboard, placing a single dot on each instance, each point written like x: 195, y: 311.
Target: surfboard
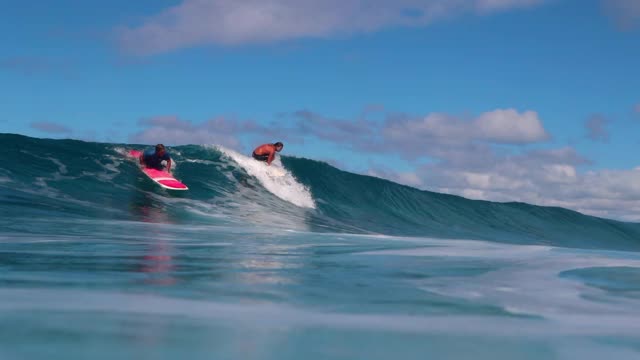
x: 160, y: 177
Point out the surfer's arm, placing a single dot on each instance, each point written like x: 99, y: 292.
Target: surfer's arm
x: 272, y: 154
x: 169, y: 165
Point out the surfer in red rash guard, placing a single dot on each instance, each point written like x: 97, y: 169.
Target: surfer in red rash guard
x: 267, y: 152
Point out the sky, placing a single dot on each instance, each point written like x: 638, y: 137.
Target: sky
x: 505, y: 100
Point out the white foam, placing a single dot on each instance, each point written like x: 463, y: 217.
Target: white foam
x: 62, y: 168
x: 268, y: 315
x: 197, y: 161
x: 285, y: 187
x: 525, y: 279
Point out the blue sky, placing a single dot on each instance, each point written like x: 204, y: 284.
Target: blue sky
x: 436, y: 92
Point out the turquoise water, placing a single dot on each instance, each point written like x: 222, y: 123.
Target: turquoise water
x: 98, y: 262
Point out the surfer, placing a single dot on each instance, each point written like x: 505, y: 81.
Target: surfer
x: 267, y: 152
x: 153, y: 159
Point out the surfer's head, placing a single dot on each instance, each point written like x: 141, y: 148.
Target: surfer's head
x: 278, y: 146
x: 160, y: 149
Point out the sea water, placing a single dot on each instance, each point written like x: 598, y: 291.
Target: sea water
x: 98, y: 262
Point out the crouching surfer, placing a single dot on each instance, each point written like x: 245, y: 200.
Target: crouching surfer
x: 267, y: 152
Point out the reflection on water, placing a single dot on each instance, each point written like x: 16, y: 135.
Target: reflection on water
x: 158, y: 264
x: 266, y: 270
x: 158, y: 260
x: 144, y: 207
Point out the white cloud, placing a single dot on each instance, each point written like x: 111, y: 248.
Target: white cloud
x: 505, y: 126
x: 510, y: 127
x: 198, y: 22
x: 549, y: 177
x: 459, y: 140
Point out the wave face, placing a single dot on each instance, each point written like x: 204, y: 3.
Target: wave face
x: 69, y: 179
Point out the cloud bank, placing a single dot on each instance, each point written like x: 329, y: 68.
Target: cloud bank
x: 435, y: 135
x: 176, y: 131
x: 549, y: 177
x: 229, y: 22
x: 490, y: 157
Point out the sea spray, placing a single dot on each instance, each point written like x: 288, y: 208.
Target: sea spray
x: 285, y: 187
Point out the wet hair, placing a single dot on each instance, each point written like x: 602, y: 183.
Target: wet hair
x: 159, y: 147
x: 278, y: 144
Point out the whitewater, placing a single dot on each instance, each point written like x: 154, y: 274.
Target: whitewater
x: 97, y: 261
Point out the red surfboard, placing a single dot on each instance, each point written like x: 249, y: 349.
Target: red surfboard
x: 160, y: 177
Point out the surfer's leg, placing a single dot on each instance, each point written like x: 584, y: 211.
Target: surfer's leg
x: 260, y: 157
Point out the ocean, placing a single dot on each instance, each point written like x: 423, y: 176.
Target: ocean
x: 98, y: 262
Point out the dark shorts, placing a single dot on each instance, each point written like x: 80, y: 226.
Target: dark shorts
x: 260, y: 157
